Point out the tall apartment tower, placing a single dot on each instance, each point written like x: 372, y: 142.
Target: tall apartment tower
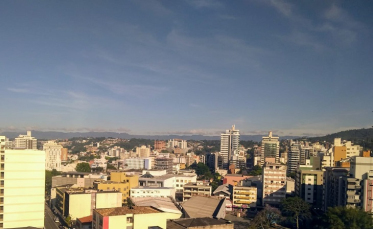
x: 274, y: 183
x: 270, y: 148
x: 293, y: 157
x: 22, y: 187
x: 25, y: 142
x: 229, y: 142
x: 52, y: 155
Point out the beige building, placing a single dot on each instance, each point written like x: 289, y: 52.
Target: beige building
x: 25, y: 142
x: 52, y: 155
x: 244, y: 197
x: 80, y: 202
x: 274, y: 183
x: 137, y: 218
x: 143, y: 151
x: 64, y: 154
x: 153, y: 192
x: 198, y: 188
x: 22, y: 187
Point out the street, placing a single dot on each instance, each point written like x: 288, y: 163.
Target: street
x: 49, y: 219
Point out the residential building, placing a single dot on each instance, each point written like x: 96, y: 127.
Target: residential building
x: 334, y: 193
x: 198, y: 188
x: 122, y: 187
x: 244, y: 196
x: 163, y: 163
x: 80, y: 202
x: 177, y: 143
x: 84, y: 222
x: 148, y: 180
x: 229, y: 143
x: 132, y: 180
x: 224, y: 190
x: 143, y: 151
x: 309, y: 186
x: 138, y: 163
x: 64, y: 154
x: 137, y: 218
x: 274, y: 183
x: 270, y: 148
x: 22, y: 187
x: 212, y: 161
x: 293, y: 158
x: 159, y: 145
x: 52, y: 155
x: 234, y: 179
x: 25, y: 142
x: 152, y: 192
x: 194, y: 223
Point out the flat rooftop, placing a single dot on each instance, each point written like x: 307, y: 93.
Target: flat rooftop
x: 126, y: 210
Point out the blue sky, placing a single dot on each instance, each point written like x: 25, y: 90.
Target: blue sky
x: 186, y: 67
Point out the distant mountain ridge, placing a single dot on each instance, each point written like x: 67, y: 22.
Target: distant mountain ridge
x: 355, y: 135
x: 67, y: 135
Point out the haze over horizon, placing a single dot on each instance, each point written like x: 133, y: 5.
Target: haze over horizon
x: 186, y: 67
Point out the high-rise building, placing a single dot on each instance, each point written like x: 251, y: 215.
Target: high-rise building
x: 25, y: 142
x: 159, y: 145
x: 143, y: 151
x: 22, y: 170
x: 293, y: 158
x: 309, y: 186
x: 164, y: 164
x: 334, y: 188
x: 52, y: 155
x: 270, y: 148
x: 274, y: 183
x: 229, y: 143
x: 177, y: 143
x: 64, y: 154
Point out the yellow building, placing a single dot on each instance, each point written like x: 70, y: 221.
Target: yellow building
x: 339, y: 153
x: 79, y: 202
x: 122, y: 187
x: 122, y: 177
x: 244, y: 196
x: 137, y: 217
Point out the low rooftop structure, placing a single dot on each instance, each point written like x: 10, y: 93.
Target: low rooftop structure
x: 205, y: 222
x: 163, y: 204
x: 199, y: 206
x: 126, y: 210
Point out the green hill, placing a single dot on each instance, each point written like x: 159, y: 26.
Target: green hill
x: 363, y: 137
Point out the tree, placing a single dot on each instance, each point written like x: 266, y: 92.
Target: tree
x: 83, y: 167
x: 266, y: 218
x: 110, y: 166
x: 256, y: 171
x: 343, y: 218
x: 295, y: 208
x: 48, y: 179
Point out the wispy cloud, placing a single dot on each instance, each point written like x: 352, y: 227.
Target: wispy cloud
x: 283, y: 7
x: 199, y: 4
x: 154, y: 6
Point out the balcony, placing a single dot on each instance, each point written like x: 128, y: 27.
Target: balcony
x: 353, y: 201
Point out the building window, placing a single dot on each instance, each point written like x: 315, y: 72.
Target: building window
x: 129, y: 219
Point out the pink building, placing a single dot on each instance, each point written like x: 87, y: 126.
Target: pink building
x: 233, y: 179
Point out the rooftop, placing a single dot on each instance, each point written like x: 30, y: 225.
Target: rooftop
x: 163, y: 204
x: 195, y: 222
x: 87, y: 219
x: 126, y: 210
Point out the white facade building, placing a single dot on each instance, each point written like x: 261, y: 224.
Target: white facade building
x: 52, y: 155
x: 229, y: 143
x: 177, y: 143
x: 25, y: 142
x: 274, y: 183
x: 153, y: 192
x: 138, y: 163
x: 22, y: 188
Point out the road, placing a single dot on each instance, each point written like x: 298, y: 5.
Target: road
x: 48, y: 219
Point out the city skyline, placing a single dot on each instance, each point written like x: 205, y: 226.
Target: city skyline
x: 186, y: 67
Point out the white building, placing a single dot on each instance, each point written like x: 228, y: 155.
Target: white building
x: 25, y: 142
x: 229, y: 143
x: 274, y: 183
x: 22, y: 188
x: 153, y: 192
x: 138, y: 163
x: 52, y: 155
x: 177, y: 143
x: 270, y: 148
